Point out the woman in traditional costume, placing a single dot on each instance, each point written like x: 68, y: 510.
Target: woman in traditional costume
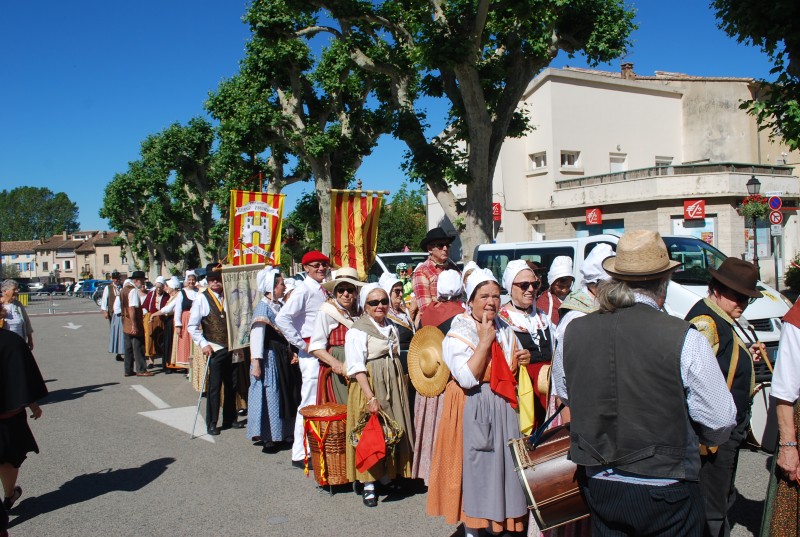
x: 478, y: 484
x: 183, y: 341
x: 173, y: 287
x: 372, y: 350
x: 270, y: 414
x: 334, y: 319
x: 15, y: 317
x: 428, y: 410
x: 560, y: 280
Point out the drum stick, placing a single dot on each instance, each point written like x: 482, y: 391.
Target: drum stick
x: 754, y: 340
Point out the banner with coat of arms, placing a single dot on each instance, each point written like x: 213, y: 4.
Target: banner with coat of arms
x: 354, y: 228
x: 254, y: 233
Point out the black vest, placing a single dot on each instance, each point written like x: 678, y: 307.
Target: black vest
x: 626, y: 394
x: 742, y: 378
x: 215, y: 327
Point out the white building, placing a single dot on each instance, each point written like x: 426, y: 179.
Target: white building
x: 618, y: 151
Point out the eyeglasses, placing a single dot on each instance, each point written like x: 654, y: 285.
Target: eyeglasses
x: 740, y: 298
x: 318, y: 264
x: 375, y: 303
x: 397, y: 291
x: 440, y: 245
x: 527, y: 285
x: 343, y: 290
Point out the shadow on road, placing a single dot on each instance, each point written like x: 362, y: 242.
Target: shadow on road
x: 68, y: 394
x: 747, y: 513
x: 89, y: 486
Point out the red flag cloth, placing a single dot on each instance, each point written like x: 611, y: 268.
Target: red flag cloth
x: 371, y: 446
x: 501, y: 380
x: 534, y: 370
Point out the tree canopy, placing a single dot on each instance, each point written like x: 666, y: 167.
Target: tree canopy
x: 402, y: 224
x: 775, y: 28
x: 29, y: 213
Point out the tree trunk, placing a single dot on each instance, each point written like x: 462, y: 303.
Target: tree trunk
x: 323, y: 182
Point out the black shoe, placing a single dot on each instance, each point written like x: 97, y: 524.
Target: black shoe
x: 243, y: 412
x: 167, y: 371
x: 234, y: 425
x: 130, y: 374
x: 213, y: 431
x: 370, y: 498
x: 119, y: 358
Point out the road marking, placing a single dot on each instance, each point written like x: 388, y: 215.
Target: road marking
x: 150, y: 396
x: 72, y: 326
x: 182, y: 419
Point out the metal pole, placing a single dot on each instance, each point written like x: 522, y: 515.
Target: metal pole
x: 200, y: 397
x: 755, y: 246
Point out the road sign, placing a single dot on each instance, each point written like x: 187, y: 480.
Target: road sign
x: 776, y: 230
x: 775, y: 203
x: 775, y: 217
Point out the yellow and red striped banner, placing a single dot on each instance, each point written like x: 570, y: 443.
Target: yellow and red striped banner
x: 254, y: 233
x: 354, y: 228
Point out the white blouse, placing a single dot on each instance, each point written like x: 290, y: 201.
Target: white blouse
x: 786, y: 379
x: 355, y: 346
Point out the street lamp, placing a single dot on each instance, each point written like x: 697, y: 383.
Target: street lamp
x: 753, y: 188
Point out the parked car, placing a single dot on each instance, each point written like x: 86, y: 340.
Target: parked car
x: 54, y: 289
x: 688, y: 285
x: 388, y: 263
x: 74, y: 288
x: 36, y: 286
x: 88, y: 288
x: 97, y: 295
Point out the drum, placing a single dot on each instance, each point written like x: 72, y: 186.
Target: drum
x: 763, y: 431
x: 549, y: 479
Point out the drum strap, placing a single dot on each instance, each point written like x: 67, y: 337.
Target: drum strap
x: 704, y: 449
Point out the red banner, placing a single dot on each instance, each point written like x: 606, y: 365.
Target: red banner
x: 694, y: 209
x: 594, y: 216
x: 354, y: 228
x: 254, y: 229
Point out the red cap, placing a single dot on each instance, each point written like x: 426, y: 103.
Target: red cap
x: 314, y: 256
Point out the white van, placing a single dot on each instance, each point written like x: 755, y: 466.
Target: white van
x: 689, y: 282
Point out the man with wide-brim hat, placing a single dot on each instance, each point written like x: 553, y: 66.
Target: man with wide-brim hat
x: 133, y: 326
x: 296, y: 322
x: 733, y: 285
x: 334, y: 319
x: 641, y: 386
x: 208, y: 327
x: 437, y: 244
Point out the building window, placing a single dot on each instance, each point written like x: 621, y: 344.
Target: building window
x: 570, y: 159
x: 617, y: 162
x: 538, y: 160
x: 67, y: 265
x: 44, y: 265
x: 106, y: 259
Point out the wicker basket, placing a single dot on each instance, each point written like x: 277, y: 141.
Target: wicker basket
x: 326, y: 439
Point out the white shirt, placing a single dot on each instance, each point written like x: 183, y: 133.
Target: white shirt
x: 355, y: 346
x: 118, y: 302
x: 133, y: 299
x: 323, y: 326
x: 201, y: 308
x: 786, y: 378
x: 106, y: 296
x: 172, y: 304
x: 297, y: 317
x: 456, y: 354
x: 191, y: 294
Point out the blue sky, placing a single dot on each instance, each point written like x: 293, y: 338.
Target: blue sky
x: 85, y: 82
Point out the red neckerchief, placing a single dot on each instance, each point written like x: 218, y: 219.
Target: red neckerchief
x: 501, y: 380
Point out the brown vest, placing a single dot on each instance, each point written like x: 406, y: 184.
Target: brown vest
x: 128, y: 322
x: 215, y: 327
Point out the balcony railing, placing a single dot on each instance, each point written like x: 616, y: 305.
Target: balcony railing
x: 681, y: 169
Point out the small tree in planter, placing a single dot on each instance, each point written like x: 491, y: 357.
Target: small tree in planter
x: 792, y: 276
x: 754, y: 207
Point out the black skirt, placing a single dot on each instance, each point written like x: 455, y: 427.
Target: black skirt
x: 16, y: 439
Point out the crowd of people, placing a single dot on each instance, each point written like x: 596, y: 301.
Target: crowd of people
x: 656, y: 406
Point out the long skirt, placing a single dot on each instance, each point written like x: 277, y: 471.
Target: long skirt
x: 152, y: 335
x: 16, y: 439
x: 427, y: 415
x: 183, y: 344
x: 332, y: 388
x: 387, y: 382
x: 444, y: 482
x: 263, y: 405
x: 782, y: 506
x: 492, y: 492
x: 166, y: 340
x: 116, y: 340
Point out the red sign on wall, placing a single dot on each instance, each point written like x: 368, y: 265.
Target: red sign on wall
x: 497, y: 214
x: 694, y: 209
x: 594, y: 216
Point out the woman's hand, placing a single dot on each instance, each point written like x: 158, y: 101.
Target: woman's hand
x: 789, y: 462
x: 486, y: 330
x: 338, y: 368
x: 374, y: 406
x: 255, y: 368
x: 36, y: 411
x: 295, y: 359
x: 523, y: 356
x: 756, y: 349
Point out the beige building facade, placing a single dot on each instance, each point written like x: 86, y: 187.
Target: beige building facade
x: 611, y: 152
x: 20, y: 256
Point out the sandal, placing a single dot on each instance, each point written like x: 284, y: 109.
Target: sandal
x: 370, y: 499
x: 9, y: 502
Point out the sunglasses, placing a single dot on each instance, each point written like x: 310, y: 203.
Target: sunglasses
x: 397, y: 291
x: 440, y: 245
x: 343, y: 290
x: 318, y: 264
x: 376, y: 303
x: 527, y: 285
x: 740, y: 298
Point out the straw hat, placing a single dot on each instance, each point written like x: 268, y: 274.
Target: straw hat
x: 641, y: 255
x: 344, y: 274
x: 739, y: 275
x: 426, y: 368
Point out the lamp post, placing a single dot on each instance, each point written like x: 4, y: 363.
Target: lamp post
x: 290, y: 230
x: 753, y: 188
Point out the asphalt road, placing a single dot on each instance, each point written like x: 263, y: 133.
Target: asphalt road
x: 105, y: 468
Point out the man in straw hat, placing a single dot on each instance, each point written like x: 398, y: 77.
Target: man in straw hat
x: 641, y: 385
x: 296, y: 322
x: 437, y: 244
x: 731, y: 289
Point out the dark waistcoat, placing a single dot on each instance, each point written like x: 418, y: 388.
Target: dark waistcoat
x: 215, y: 328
